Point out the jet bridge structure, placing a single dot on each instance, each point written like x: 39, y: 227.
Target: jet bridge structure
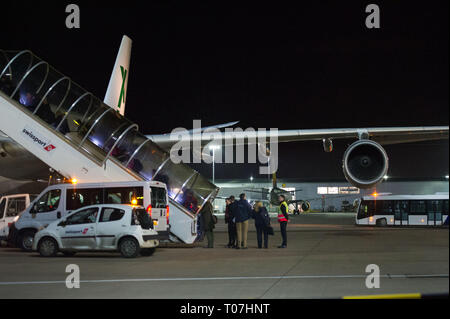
x: 79, y: 136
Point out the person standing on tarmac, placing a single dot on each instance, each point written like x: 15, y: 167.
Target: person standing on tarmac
x: 283, y: 219
x: 230, y: 220
x: 262, y: 224
x: 209, y: 222
x: 242, y: 213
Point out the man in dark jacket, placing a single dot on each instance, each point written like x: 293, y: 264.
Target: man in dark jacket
x: 262, y: 224
x: 208, y: 223
x: 242, y: 213
x: 229, y: 219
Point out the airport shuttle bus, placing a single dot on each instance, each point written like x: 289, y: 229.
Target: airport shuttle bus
x: 403, y: 210
x: 56, y: 201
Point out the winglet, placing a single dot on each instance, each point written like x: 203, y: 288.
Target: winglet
x: 117, y: 88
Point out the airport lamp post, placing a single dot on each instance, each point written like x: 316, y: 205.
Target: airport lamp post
x: 213, y: 148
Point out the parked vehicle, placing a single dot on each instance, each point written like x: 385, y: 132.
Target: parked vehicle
x: 403, y: 210
x: 57, y: 201
x: 124, y: 228
x: 10, y: 207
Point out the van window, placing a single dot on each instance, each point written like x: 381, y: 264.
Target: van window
x: 15, y: 206
x: 124, y: 195
x: 77, y: 198
x: 111, y: 215
x: 48, y: 202
x: 159, y: 199
x: 2, y: 207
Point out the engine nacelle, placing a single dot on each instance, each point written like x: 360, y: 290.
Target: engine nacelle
x: 365, y: 164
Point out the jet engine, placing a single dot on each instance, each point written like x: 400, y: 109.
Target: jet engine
x: 365, y: 164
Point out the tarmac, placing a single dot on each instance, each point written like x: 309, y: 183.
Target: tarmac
x: 327, y: 257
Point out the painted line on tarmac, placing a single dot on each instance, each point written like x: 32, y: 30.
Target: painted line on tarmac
x: 17, y: 283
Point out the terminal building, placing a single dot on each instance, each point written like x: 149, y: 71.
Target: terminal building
x: 327, y: 196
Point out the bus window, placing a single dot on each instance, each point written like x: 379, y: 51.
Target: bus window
x: 384, y: 207
x: 401, y: 209
x: 124, y: 195
x: 366, y: 209
x: 435, y: 209
x: 417, y: 207
x: 77, y: 198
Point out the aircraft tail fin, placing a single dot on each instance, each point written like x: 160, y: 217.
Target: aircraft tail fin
x: 117, y: 88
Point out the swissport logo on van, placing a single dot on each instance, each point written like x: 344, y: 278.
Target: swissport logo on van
x: 37, y: 138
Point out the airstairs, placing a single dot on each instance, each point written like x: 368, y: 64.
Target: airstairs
x: 80, y: 137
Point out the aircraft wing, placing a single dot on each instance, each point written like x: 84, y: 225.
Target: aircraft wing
x: 382, y: 135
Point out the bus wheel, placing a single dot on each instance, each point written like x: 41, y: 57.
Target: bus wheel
x: 381, y: 222
x: 26, y: 240
x: 129, y: 247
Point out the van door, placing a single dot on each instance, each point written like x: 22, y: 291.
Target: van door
x: 159, y: 208
x: 78, y: 231
x: 48, y: 207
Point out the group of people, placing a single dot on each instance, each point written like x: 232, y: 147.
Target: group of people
x: 237, y: 216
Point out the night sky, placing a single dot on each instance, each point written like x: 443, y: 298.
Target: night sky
x: 315, y: 65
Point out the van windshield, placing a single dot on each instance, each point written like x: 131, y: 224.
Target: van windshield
x: 159, y: 197
x: 2, y: 207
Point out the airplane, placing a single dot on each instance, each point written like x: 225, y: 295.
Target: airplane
x: 365, y: 162
x: 272, y: 195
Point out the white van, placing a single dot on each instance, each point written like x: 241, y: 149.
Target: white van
x: 56, y: 201
x: 10, y: 207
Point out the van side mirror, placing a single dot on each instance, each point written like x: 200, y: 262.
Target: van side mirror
x: 62, y: 224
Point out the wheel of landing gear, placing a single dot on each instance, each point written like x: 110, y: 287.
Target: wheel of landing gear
x: 147, y: 251
x: 48, y: 247
x: 129, y: 247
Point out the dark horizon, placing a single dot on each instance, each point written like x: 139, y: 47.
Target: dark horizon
x: 314, y: 65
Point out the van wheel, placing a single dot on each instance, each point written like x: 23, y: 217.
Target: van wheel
x: 381, y: 222
x: 26, y: 240
x: 48, y: 247
x: 147, y: 251
x: 129, y: 247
